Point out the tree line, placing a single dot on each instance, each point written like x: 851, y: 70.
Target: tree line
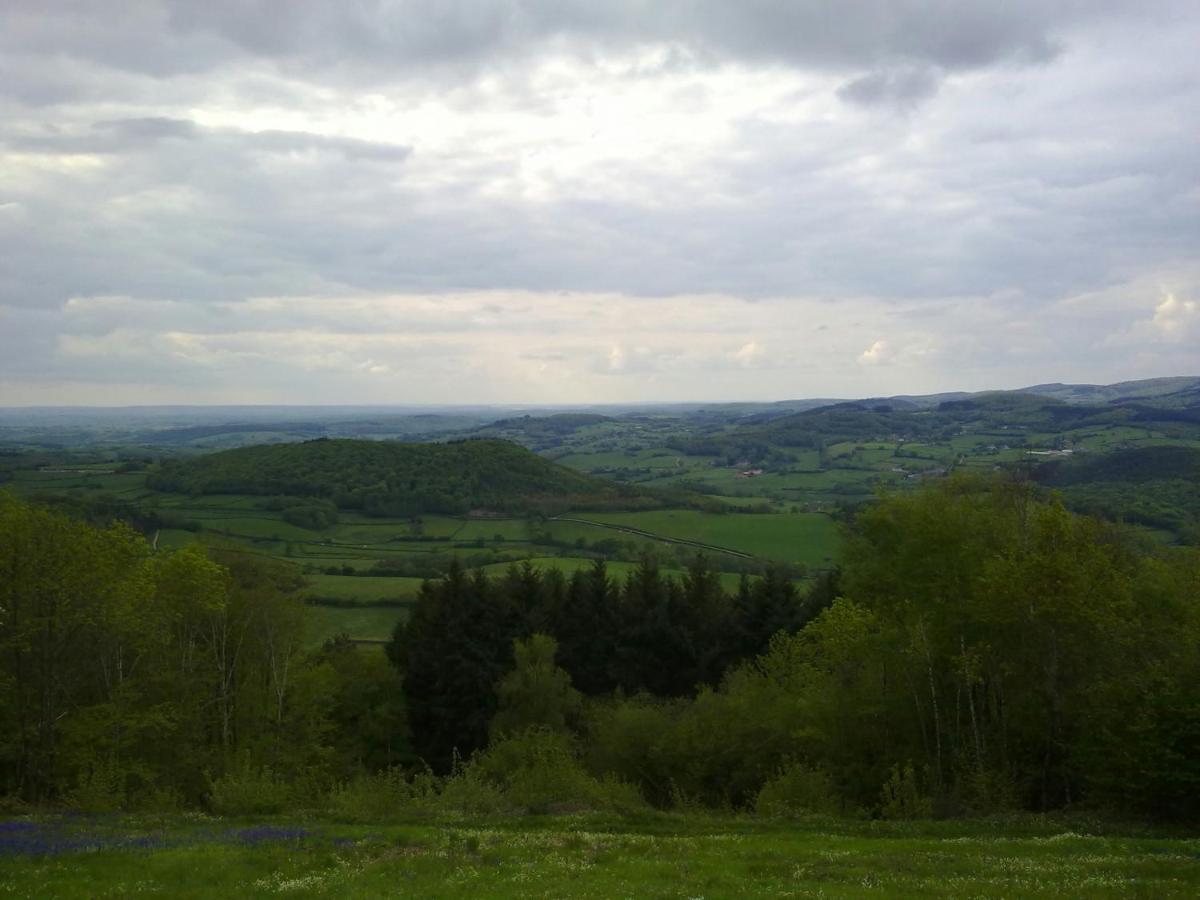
x: 981, y: 649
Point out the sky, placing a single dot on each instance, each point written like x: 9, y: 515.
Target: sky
x: 569, y: 202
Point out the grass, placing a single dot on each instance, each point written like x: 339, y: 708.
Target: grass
x: 487, y: 529
x: 363, y: 623
x: 656, y: 856
x: 811, y: 538
x: 364, y: 588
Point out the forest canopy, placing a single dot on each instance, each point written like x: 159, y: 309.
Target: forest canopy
x: 390, y: 478
x: 981, y: 650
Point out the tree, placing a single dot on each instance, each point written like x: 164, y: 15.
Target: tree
x: 536, y: 693
x: 455, y: 646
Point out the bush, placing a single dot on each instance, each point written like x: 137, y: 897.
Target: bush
x: 902, y: 797
x: 630, y: 739
x: 101, y: 789
x: 250, y: 790
x: 798, y: 790
x: 538, y: 771
x: 469, y: 791
x: 390, y: 793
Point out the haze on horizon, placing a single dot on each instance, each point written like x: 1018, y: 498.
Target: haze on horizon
x: 568, y: 202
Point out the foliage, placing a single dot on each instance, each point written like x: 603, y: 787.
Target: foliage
x: 537, y: 770
x: 387, y: 478
x: 902, y: 797
x: 536, y: 693
x: 982, y: 650
x: 249, y: 789
x: 652, y: 633
x: 798, y: 790
x: 389, y: 794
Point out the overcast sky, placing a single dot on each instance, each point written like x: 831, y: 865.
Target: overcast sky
x: 560, y: 201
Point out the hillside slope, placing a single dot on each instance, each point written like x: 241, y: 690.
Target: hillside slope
x: 393, y: 478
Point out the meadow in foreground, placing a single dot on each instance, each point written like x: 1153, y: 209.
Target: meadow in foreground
x: 589, y: 856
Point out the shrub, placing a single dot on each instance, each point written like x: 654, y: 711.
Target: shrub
x: 390, y: 793
x: 631, y: 740
x: 902, y: 797
x: 247, y: 789
x: 798, y: 790
x: 537, y: 771
x: 100, y: 789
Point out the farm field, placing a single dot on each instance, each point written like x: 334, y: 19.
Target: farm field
x: 657, y: 856
x: 365, y: 588
x: 359, y: 623
x: 786, y: 474
x: 338, y: 561
x: 810, y: 538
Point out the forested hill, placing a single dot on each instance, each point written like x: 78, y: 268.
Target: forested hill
x: 393, y: 478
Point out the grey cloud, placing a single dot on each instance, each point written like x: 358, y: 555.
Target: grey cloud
x: 150, y: 128
x: 128, y: 135
x: 379, y: 39
x: 351, y: 148
x: 1029, y: 183
x: 901, y: 87
x: 806, y: 32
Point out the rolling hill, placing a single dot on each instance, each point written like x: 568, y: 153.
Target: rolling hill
x: 390, y: 478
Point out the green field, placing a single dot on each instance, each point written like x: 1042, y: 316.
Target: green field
x: 655, y: 856
x: 799, y: 483
x: 364, y: 588
x: 361, y: 623
x: 238, y: 523
x: 810, y: 538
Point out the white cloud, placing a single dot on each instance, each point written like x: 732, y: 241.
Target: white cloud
x: 1176, y: 318
x: 877, y: 354
x: 750, y: 354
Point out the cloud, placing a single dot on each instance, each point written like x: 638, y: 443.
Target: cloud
x: 310, y: 199
x: 1176, y: 318
x: 411, y: 34
x: 877, y: 354
x: 904, y: 87
x: 750, y: 354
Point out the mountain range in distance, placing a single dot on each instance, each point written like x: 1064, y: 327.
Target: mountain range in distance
x: 221, y: 427
x: 1180, y: 390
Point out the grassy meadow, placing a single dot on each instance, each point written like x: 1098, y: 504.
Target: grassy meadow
x: 791, y: 537
x: 655, y: 856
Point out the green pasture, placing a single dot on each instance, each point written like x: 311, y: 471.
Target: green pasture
x: 253, y: 526
x: 810, y: 538
x: 488, y: 529
x: 363, y: 588
x: 933, y: 452
x: 369, y: 623
x: 741, y: 500
x: 652, y: 856
x: 609, y: 459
